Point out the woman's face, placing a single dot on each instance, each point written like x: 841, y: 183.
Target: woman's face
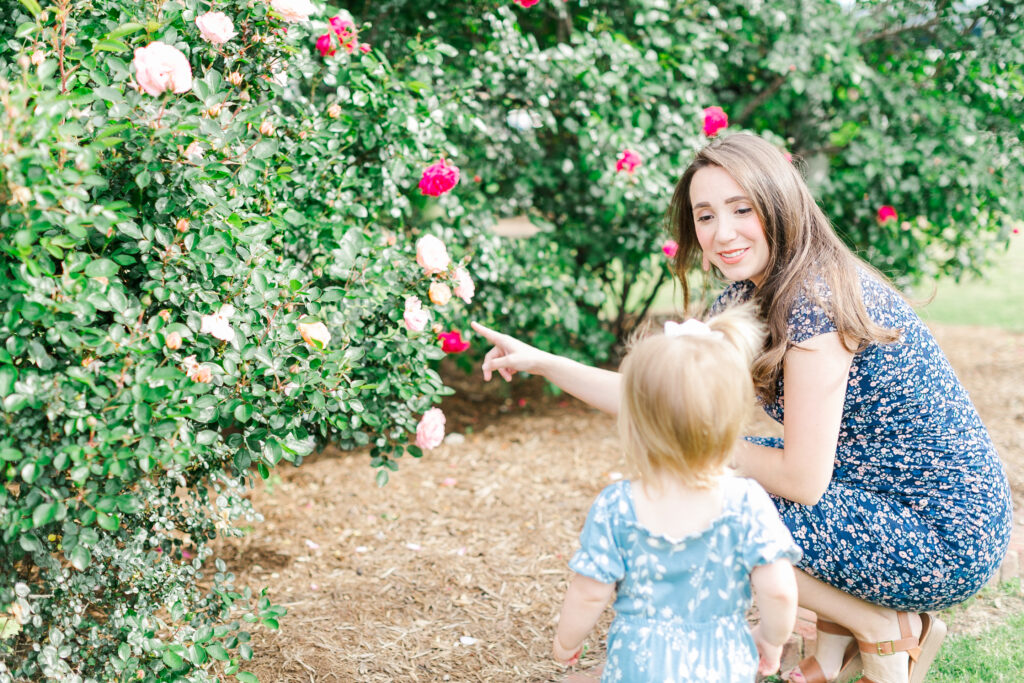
x: 728, y: 229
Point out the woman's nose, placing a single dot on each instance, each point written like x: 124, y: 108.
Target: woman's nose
x: 726, y: 230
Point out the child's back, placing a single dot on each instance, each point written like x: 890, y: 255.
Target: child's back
x: 681, y: 597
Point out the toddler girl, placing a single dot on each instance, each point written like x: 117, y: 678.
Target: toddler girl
x: 682, y: 542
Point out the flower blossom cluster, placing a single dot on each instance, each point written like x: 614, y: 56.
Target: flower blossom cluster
x: 342, y: 34
x: 293, y: 10
x: 446, y: 282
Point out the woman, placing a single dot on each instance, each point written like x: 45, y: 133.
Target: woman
x: 885, y: 476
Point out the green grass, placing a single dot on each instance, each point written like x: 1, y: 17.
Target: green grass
x: 997, y: 300
x: 994, y: 656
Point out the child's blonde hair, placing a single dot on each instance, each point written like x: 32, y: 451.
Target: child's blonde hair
x: 685, y: 398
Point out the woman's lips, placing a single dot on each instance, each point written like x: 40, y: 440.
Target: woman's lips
x: 733, y: 255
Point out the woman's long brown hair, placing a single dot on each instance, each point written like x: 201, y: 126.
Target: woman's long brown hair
x: 805, y: 254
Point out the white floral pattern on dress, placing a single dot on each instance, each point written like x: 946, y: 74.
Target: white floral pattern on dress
x: 680, y: 606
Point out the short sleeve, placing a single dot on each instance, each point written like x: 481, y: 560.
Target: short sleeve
x: 598, y: 557
x: 735, y: 293
x: 768, y: 539
x: 808, y: 317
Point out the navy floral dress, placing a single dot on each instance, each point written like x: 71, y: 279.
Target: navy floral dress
x: 918, y: 515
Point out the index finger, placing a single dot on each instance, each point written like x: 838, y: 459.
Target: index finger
x: 486, y: 332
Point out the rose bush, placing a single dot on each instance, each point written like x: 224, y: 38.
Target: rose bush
x: 208, y: 246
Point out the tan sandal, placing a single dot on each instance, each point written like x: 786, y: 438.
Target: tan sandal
x: 810, y: 669
x: 921, y: 650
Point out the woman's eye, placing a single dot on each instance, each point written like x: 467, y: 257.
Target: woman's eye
x: 704, y: 219
x: 744, y: 210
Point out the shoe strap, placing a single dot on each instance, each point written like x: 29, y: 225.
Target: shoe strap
x: 908, y: 643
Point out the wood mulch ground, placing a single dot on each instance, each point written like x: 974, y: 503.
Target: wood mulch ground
x: 455, y: 570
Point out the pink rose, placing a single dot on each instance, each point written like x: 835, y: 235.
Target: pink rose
x: 464, y: 287
x: 430, y: 430
x: 526, y: 3
x: 439, y: 178
x: 452, y: 342
x: 215, y: 27
x: 160, y: 67
x: 431, y: 254
x: 886, y: 213
x: 715, y: 119
x: 340, y: 26
x: 440, y: 293
x: 364, y: 48
x: 415, y: 317
x: 628, y: 162
x: 671, y: 248
x: 326, y: 45
x: 293, y: 10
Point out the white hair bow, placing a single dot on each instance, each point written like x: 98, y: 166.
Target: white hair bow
x: 690, y: 328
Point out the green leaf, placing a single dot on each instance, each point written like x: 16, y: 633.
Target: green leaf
x: 217, y: 651
x: 80, y: 558
x: 264, y: 149
x: 108, y: 45
x: 108, y: 522
x: 44, y: 513
x: 32, y: 6
x: 125, y: 30
x: 8, y: 376
x: 101, y: 267
x: 247, y: 677
x: 172, y: 659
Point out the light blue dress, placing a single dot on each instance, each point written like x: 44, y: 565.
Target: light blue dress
x: 680, y: 608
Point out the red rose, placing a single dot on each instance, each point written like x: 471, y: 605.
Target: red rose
x: 452, y: 342
x: 886, y: 213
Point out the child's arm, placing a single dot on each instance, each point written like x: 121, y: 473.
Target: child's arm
x: 775, y: 587
x: 584, y: 602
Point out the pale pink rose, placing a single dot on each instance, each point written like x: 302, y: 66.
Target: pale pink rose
x: 38, y: 57
x: 628, y: 162
x: 440, y: 293
x: 439, y: 178
x: 431, y: 254
x: 267, y: 128
x: 173, y: 341
x: 215, y: 27
x: 181, y: 225
x: 334, y: 111
x: 415, y: 317
x: 194, y: 151
x: 196, y: 372
x: 293, y: 10
x: 314, y: 334
x: 464, y: 287
x: 160, y: 67
x: 715, y: 119
x: 235, y: 78
x: 430, y: 430
x: 217, y: 325
x: 670, y: 248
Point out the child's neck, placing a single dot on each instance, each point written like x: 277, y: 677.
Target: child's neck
x: 674, y: 509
